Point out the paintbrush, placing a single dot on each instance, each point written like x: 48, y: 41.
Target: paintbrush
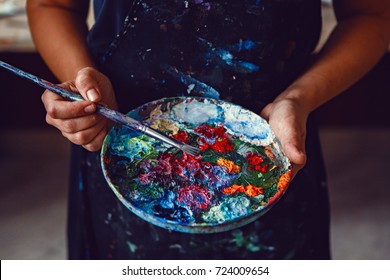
x: 106, y: 112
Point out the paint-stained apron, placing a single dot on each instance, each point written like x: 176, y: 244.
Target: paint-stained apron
x: 245, y: 52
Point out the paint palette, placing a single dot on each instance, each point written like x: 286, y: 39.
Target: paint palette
x: 240, y: 174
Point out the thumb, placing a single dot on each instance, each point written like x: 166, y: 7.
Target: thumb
x: 295, y: 153
x: 294, y: 149
x: 87, y: 83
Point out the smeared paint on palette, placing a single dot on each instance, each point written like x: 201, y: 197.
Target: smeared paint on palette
x: 241, y: 173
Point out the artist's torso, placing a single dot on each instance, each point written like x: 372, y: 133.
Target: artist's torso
x: 242, y: 51
x: 247, y: 52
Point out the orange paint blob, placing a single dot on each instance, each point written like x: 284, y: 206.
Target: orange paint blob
x: 230, y: 165
x: 249, y: 190
x: 285, y: 180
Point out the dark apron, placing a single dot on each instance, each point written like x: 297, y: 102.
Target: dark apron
x: 246, y: 52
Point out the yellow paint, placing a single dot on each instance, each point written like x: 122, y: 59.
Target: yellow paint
x: 165, y: 125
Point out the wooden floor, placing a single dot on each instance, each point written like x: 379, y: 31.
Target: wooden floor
x: 33, y: 193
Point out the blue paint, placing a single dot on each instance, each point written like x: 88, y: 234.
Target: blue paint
x: 245, y: 45
x: 183, y: 193
x: 227, y: 60
x: 196, y: 85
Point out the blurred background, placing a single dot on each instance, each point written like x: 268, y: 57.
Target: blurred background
x: 354, y: 128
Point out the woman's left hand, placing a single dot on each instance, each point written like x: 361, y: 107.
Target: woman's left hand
x: 288, y: 121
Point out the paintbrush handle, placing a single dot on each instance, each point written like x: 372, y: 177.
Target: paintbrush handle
x: 42, y: 83
x: 106, y: 112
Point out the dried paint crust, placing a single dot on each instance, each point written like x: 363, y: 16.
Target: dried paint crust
x: 240, y: 174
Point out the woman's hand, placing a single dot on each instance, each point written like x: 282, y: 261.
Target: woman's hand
x: 359, y: 40
x: 78, y: 121
x: 288, y: 120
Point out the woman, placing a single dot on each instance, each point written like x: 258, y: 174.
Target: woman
x: 255, y: 53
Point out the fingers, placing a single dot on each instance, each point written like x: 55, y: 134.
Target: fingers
x: 289, y: 127
x: 296, y: 155
x: 293, y: 145
x: 96, y: 143
x: 265, y: 113
x: 78, y: 120
x: 74, y: 125
x: 90, y: 138
x: 69, y: 117
x: 59, y: 108
x: 292, y: 138
x: 87, y: 83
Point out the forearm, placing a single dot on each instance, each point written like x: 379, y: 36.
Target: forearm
x: 59, y: 31
x: 354, y: 47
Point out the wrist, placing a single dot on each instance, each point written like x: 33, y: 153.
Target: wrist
x: 307, y: 92
x: 298, y: 97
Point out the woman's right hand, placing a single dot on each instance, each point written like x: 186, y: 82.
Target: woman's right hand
x: 78, y: 121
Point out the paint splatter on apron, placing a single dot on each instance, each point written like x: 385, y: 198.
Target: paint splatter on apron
x: 245, y: 52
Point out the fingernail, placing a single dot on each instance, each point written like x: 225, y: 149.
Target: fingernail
x: 90, y: 108
x: 92, y: 95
